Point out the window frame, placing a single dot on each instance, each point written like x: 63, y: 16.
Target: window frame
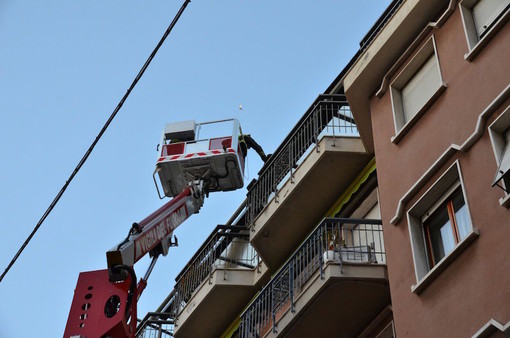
x: 440, y: 191
x: 388, y: 329
x: 475, y: 42
x: 421, y: 57
x: 496, y: 133
x: 431, y: 215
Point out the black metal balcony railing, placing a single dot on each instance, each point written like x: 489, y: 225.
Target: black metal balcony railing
x: 227, y: 247
x: 329, y: 114
x: 224, y: 250
x: 379, y: 24
x: 340, y: 240
x: 156, y: 325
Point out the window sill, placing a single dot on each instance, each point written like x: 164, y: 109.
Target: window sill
x: 396, y: 139
x: 470, y: 56
x: 505, y: 201
x: 443, y: 264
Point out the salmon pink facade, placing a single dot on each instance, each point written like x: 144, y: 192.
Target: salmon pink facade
x: 431, y: 98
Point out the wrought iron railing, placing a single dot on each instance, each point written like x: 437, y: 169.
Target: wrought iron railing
x: 380, y: 23
x: 340, y: 240
x: 329, y: 114
x: 227, y: 247
x: 156, y: 325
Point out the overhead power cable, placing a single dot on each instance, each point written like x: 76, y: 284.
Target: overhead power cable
x: 89, y: 150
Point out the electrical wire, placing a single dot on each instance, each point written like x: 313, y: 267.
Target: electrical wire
x: 89, y: 151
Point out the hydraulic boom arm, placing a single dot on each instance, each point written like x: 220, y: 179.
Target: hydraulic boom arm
x: 190, y: 165
x: 153, y: 234
x: 104, y: 303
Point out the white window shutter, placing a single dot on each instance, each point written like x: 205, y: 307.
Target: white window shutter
x: 420, y: 88
x: 504, y: 164
x: 486, y: 11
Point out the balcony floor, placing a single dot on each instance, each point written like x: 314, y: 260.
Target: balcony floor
x: 218, y: 301
x: 322, y: 177
x: 340, y: 305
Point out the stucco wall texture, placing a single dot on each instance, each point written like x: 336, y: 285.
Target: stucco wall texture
x: 475, y: 287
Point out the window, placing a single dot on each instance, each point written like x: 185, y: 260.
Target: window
x: 440, y: 227
x: 502, y: 178
x: 499, y: 132
x: 415, y: 88
x: 482, y: 19
x: 420, y: 88
x: 486, y: 13
x: 446, y: 227
x: 503, y: 173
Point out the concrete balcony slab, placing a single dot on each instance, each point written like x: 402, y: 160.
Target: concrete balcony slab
x: 341, y: 304
x: 305, y: 197
x: 218, y: 300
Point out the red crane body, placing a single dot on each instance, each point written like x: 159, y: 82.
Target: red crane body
x: 104, y: 302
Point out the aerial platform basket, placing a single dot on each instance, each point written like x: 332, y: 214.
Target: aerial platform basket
x: 209, y: 151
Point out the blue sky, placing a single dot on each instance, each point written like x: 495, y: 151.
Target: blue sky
x: 64, y: 65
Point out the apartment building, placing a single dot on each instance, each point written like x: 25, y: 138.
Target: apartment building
x: 430, y: 96
x: 427, y: 94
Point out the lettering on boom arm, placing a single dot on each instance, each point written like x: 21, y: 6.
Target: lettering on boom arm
x: 148, y: 240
